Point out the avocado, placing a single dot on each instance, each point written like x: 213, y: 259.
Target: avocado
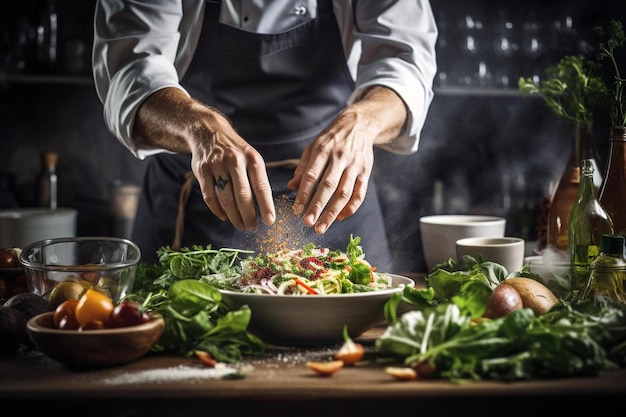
x: 12, y: 330
x: 28, y: 304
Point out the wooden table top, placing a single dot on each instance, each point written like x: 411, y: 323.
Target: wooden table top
x: 279, y: 383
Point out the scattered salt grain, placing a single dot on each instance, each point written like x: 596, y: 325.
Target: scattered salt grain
x: 175, y: 373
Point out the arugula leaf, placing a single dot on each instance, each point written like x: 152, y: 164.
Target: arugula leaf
x: 195, y: 316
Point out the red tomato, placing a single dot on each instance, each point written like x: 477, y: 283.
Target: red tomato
x: 128, y: 313
x: 94, y: 305
x: 7, y: 259
x: 92, y: 325
x: 68, y: 323
x: 65, y: 309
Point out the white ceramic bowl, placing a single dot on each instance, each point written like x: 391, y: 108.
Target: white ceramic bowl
x: 506, y: 251
x: 314, y: 320
x: 21, y: 227
x: 440, y: 233
x: 107, y: 264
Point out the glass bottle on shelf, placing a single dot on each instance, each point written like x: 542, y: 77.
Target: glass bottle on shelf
x: 47, y: 38
x: 588, y: 221
x: 48, y: 181
x: 613, y: 190
x: 608, y: 271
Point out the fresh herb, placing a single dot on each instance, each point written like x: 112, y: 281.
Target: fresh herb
x: 564, y: 342
x: 571, y: 89
x: 614, y: 38
x: 195, y: 316
x: 467, y: 282
x: 446, y: 331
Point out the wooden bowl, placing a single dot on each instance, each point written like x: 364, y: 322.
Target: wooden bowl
x: 93, y: 348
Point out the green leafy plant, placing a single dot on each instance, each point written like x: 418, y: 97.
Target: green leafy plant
x: 447, y: 332
x: 196, y: 319
x: 614, y: 39
x: 571, y: 89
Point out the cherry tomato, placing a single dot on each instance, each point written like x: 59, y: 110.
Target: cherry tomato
x: 94, y: 305
x: 7, y: 259
x: 92, y: 325
x: 65, y: 309
x: 128, y: 313
x: 68, y: 323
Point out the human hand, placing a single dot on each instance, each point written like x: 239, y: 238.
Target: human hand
x: 334, y: 171
x: 230, y: 172
x: 231, y: 175
x: 332, y: 176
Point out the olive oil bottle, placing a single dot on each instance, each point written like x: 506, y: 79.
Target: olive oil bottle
x: 588, y: 221
x: 608, y: 271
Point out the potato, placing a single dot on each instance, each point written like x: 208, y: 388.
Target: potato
x: 534, y: 294
x: 504, y: 299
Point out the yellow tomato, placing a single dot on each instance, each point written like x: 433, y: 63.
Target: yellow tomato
x: 94, y: 306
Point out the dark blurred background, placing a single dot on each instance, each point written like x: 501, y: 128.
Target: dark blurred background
x: 485, y: 149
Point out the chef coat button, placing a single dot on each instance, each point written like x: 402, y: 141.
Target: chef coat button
x: 299, y: 11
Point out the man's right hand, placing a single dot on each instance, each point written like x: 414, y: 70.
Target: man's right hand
x: 230, y: 172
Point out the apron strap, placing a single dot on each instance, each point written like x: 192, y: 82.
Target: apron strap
x: 183, y: 197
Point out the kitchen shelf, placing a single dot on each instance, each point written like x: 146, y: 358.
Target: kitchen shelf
x: 7, y: 78
x: 477, y: 91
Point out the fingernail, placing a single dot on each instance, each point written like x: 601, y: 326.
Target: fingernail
x: 309, y: 220
x: 298, y: 208
x: 321, y: 228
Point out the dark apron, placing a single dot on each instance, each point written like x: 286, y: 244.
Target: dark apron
x: 279, y: 91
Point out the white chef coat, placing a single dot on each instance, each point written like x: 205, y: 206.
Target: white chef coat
x: 146, y: 45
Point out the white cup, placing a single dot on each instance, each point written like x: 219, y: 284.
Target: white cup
x: 440, y: 233
x: 506, y: 251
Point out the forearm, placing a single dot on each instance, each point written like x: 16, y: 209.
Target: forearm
x: 383, y: 112
x: 171, y: 120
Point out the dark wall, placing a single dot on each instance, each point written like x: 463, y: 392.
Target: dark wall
x: 484, y: 149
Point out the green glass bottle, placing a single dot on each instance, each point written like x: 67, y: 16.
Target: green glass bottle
x: 608, y: 271
x: 588, y: 221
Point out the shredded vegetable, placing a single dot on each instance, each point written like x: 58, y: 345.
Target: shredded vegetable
x: 310, y: 270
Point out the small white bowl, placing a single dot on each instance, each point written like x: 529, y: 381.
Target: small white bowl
x: 506, y: 251
x: 440, y: 233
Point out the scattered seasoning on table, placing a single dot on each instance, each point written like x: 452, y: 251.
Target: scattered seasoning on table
x: 174, y: 373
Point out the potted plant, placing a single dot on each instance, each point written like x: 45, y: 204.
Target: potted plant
x: 615, y: 38
x: 573, y: 91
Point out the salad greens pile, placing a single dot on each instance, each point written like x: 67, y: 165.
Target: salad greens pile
x: 310, y: 270
x: 195, y: 316
x: 446, y: 331
x: 183, y: 289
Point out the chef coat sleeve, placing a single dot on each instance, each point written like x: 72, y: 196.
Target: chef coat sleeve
x: 137, y: 51
x: 392, y: 43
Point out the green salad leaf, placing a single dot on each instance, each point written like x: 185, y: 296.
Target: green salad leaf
x: 445, y: 330
x: 195, y: 316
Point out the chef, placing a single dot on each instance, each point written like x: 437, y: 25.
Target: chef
x: 239, y: 103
